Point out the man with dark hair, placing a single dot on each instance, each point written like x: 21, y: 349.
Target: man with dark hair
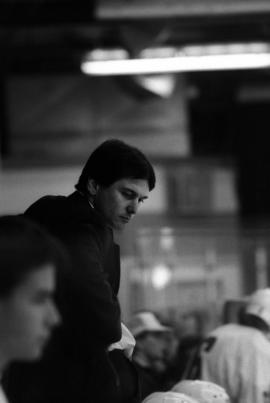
x: 28, y: 262
x: 237, y: 355
x: 116, y: 179
x: 114, y: 160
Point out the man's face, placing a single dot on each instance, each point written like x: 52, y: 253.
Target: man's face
x: 119, y: 202
x: 28, y: 315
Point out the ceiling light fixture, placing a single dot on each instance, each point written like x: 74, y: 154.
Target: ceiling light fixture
x: 173, y: 60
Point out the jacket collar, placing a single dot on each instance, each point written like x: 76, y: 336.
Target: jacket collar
x: 82, y: 210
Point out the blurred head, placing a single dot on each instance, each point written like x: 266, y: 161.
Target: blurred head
x: 258, y: 304
x: 151, y: 340
x: 152, y: 347
x: 191, y: 324
x: 29, y: 258
x: 202, y: 391
x: 168, y: 397
x: 116, y: 179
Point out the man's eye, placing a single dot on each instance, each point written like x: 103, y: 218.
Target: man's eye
x: 128, y: 195
x: 41, y: 298
x: 141, y: 200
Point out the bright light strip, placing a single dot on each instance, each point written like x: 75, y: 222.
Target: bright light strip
x: 176, y: 64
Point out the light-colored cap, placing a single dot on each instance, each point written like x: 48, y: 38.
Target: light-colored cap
x: 259, y: 304
x: 146, y: 322
x: 169, y: 397
x: 202, y: 391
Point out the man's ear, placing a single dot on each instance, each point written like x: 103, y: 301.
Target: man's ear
x: 92, y: 187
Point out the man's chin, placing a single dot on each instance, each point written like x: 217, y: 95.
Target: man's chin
x: 119, y: 226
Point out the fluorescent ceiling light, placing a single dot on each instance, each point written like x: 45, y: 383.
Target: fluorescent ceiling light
x: 176, y: 64
x: 173, y: 60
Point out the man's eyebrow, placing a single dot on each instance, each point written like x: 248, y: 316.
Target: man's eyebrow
x: 128, y: 189
x: 134, y: 192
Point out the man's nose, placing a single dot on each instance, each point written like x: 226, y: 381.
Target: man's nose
x: 133, y: 207
x: 54, y: 317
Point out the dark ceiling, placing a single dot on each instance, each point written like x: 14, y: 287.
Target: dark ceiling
x: 53, y: 35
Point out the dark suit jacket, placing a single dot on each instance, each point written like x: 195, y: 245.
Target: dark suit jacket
x: 76, y: 365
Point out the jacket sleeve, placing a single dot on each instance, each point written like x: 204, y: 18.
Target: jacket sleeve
x: 98, y: 311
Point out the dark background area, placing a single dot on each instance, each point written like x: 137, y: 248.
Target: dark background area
x: 50, y: 38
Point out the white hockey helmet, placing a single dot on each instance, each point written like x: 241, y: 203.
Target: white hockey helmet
x: 169, y: 397
x: 202, y: 391
x: 259, y: 304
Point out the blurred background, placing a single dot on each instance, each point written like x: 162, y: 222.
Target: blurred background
x: 203, y: 237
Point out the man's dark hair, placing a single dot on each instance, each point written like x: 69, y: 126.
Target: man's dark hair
x: 24, y: 247
x: 114, y: 160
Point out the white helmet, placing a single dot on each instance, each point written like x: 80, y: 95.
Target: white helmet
x: 169, y: 397
x: 259, y: 304
x: 202, y: 391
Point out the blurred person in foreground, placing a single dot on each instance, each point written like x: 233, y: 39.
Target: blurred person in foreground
x: 237, y: 355
x: 90, y: 362
x: 191, y: 391
x: 202, y: 391
x: 169, y: 397
x: 150, y: 351
x: 29, y: 258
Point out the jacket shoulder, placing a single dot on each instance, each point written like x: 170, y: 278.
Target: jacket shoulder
x: 46, y: 209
